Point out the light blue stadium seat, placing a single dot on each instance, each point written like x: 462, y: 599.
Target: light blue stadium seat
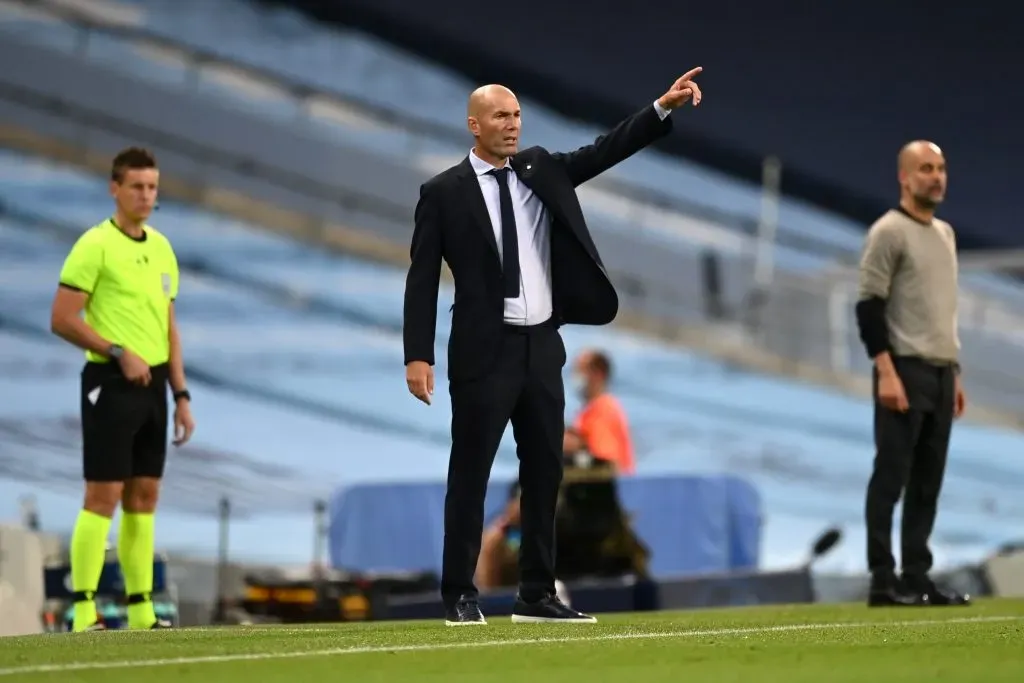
x: 325, y: 405
x: 361, y: 66
x: 273, y: 461
x: 357, y: 65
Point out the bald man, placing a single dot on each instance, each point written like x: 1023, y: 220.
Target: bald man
x: 510, y: 227
x: 907, y: 317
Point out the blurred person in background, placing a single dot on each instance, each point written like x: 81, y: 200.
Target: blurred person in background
x: 595, y: 534
x: 601, y: 428
x: 907, y: 318
x: 510, y: 227
x: 498, y: 565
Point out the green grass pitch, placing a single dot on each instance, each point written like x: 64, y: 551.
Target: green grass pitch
x: 814, y: 643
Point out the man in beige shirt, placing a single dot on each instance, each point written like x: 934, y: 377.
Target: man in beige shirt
x: 907, y: 316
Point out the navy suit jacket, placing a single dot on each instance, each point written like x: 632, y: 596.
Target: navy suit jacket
x: 451, y: 223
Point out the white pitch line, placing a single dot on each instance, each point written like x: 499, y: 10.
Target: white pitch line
x: 431, y: 647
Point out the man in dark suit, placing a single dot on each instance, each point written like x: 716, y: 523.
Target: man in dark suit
x: 510, y: 227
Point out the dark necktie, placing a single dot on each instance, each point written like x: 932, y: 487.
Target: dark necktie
x: 509, y: 238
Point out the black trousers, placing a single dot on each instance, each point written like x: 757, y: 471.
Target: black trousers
x: 910, y: 460
x: 524, y: 386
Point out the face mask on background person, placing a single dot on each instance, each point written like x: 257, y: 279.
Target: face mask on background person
x: 579, y: 384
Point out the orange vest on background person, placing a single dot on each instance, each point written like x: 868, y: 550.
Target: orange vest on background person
x: 605, y: 431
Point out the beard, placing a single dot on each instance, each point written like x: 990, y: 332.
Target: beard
x: 924, y: 201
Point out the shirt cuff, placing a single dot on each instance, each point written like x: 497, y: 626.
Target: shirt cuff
x: 662, y: 112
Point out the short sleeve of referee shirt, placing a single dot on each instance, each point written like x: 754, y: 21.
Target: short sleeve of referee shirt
x: 175, y: 274
x: 83, y: 264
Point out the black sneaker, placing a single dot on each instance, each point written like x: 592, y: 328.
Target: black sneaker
x: 935, y: 595
x: 161, y: 624
x: 465, y: 612
x: 548, y: 610
x: 890, y: 592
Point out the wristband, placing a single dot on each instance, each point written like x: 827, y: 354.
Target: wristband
x: 183, y: 394
x: 872, y: 325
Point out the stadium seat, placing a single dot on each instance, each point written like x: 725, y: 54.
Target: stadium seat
x: 301, y: 394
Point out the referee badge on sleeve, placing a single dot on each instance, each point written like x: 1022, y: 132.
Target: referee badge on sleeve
x: 165, y: 280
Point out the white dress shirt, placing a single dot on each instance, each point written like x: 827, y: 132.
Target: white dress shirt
x: 533, y: 228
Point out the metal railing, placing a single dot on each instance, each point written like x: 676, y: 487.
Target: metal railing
x: 812, y: 319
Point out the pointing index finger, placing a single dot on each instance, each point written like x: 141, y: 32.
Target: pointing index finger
x: 691, y: 73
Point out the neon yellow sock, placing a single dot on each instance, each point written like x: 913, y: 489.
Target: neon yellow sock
x: 88, y: 553
x: 135, y: 553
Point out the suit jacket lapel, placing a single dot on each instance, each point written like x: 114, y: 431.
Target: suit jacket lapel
x: 528, y: 175
x: 477, y: 205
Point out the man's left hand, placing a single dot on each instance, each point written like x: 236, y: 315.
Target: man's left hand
x: 960, y: 402
x: 184, y: 425
x: 685, y: 88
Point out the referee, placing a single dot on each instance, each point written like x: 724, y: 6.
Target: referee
x: 907, y: 317
x: 124, y: 275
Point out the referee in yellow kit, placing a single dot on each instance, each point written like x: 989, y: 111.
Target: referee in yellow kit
x: 124, y: 275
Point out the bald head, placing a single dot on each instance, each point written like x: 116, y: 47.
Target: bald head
x: 912, y: 153
x: 493, y: 119
x: 922, y: 174
x: 487, y: 97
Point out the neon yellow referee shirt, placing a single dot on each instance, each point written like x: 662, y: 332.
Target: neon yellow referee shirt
x: 131, y: 284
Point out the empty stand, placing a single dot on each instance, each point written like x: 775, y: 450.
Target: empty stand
x: 300, y: 59
x: 296, y: 355
x: 327, y: 84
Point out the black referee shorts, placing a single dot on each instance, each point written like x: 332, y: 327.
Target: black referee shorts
x: 124, y: 426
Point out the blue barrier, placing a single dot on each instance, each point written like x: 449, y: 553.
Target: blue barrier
x: 691, y: 524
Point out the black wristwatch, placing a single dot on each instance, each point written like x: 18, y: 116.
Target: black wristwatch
x: 115, y: 351
x: 183, y: 394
